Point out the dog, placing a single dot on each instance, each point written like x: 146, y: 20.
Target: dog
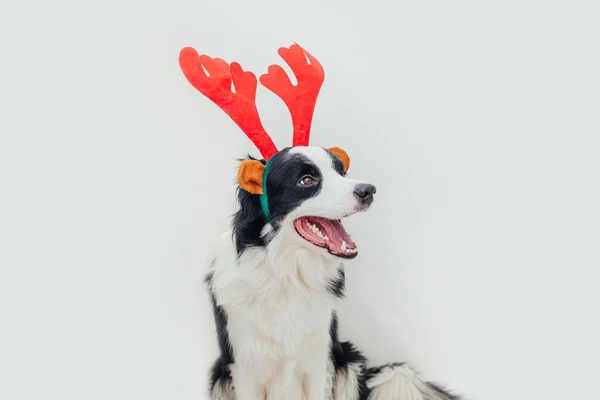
x: 274, y: 278
x: 274, y: 285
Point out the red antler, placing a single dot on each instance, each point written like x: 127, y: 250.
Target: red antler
x: 300, y: 99
x: 240, y: 106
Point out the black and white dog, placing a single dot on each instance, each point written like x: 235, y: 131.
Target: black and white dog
x: 274, y: 286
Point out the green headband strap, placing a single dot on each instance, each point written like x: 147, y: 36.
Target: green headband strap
x: 264, y: 201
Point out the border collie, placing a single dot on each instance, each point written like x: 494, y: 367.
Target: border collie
x: 275, y: 277
x: 274, y: 285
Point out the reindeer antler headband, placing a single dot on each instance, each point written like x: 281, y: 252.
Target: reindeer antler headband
x: 240, y: 104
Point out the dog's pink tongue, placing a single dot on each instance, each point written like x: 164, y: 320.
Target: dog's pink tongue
x: 336, y: 233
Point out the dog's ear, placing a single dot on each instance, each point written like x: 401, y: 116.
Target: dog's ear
x: 250, y: 176
x: 342, y: 155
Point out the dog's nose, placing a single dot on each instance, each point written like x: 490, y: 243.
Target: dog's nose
x: 365, y: 192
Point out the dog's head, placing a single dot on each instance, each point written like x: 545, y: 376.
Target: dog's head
x: 302, y: 192
x: 308, y: 196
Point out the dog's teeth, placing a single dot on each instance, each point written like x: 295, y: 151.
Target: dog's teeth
x: 343, y: 245
x: 325, y: 237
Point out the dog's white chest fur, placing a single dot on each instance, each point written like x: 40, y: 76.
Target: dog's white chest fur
x: 279, y: 313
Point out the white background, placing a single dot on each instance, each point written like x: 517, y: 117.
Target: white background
x: 477, y: 121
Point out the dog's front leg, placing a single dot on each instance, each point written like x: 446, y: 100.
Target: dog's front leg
x: 315, y: 384
x: 316, y: 374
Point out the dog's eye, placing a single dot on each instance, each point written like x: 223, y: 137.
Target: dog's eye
x: 307, y: 181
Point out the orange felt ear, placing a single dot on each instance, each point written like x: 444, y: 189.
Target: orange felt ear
x: 342, y: 155
x: 250, y: 176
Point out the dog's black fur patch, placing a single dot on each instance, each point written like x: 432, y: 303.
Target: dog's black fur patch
x: 283, y: 190
x: 220, y: 373
x: 343, y: 354
x: 337, y: 286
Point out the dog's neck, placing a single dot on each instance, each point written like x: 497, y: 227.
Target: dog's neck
x: 288, y: 259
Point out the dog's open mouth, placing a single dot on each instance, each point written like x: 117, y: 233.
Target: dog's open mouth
x: 328, y: 234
